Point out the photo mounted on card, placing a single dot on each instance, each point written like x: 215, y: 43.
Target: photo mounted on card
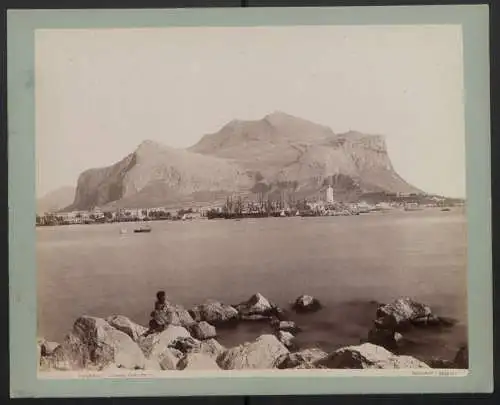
x: 249, y: 201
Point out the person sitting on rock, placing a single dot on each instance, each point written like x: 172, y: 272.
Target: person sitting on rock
x: 161, y: 301
x: 160, y: 316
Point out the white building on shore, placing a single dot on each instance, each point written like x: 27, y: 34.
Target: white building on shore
x: 329, y: 195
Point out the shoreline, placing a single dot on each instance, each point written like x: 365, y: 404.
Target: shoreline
x: 235, y: 217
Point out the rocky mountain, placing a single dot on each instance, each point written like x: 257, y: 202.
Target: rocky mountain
x: 155, y: 174
x: 278, y: 154
x: 55, y: 200
x: 282, y: 150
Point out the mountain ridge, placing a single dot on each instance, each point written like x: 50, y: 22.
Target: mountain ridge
x: 275, y: 154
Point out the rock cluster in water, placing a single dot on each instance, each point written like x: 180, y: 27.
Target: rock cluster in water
x: 188, y: 342
x: 394, y: 319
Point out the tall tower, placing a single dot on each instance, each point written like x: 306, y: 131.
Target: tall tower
x: 329, y: 195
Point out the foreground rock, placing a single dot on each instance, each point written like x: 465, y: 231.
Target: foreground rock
x: 257, y: 307
x: 209, y: 347
x: 186, y: 344
x: 155, y: 345
x: 203, y: 330
x: 368, y: 356
x: 212, y: 348
x: 286, y: 338
x: 124, y: 324
x: 95, y: 343
x: 179, y: 316
x: 399, y: 316
x: 215, y: 313
x: 261, y: 354
x: 306, y: 303
x: 304, y: 359
x: 403, y: 313
x: 197, y: 361
x: 169, y: 358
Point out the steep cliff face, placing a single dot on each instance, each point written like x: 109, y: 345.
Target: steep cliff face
x: 97, y: 187
x: 155, y: 174
x: 275, y: 154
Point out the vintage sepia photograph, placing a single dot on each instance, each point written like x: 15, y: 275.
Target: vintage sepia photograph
x: 286, y: 198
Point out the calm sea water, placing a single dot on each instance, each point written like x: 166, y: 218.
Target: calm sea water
x: 346, y: 262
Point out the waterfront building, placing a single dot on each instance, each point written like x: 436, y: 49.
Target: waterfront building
x: 97, y: 213
x: 329, y: 195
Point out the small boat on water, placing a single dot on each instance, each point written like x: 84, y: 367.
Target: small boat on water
x: 142, y: 229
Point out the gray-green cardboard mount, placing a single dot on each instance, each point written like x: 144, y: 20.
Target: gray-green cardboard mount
x: 22, y: 264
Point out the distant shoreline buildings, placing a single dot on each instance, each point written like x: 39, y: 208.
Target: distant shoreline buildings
x: 239, y: 207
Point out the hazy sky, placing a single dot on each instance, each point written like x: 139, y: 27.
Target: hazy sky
x: 99, y: 93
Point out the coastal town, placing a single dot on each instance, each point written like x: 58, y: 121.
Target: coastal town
x: 239, y: 207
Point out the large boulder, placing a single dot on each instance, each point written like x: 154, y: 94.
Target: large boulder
x: 215, y: 313
x: 260, y: 354
x: 367, y: 356
x: 203, y: 330
x: 286, y: 338
x: 209, y: 347
x: 154, y: 345
x: 306, y: 303
x: 177, y: 315
x: 72, y: 354
x: 404, y: 312
x: 257, y: 308
x: 212, y: 348
x: 95, y: 343
x: 169, y: 359
x: 124, y: 324
x: 197, y: 361
x: 303, y: 359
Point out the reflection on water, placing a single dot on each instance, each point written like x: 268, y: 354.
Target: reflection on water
x: 349, y: 263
